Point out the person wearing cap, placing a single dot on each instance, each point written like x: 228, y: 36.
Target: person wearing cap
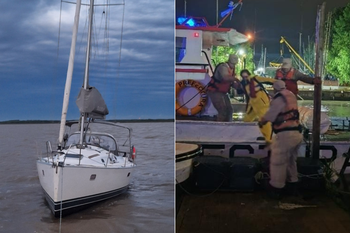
x: 291, y: 76
x: 219, y: 87
x: 284, y: 116
x: 258, y: 101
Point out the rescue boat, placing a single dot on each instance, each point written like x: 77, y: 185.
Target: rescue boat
x: 195, y: 114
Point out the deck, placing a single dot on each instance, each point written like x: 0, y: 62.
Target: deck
x: 256, y: 213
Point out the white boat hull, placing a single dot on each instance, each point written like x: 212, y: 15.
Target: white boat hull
x: 78, y: 186
x: 185, y: 152
x: 230, y: 139
x: 183, y: 170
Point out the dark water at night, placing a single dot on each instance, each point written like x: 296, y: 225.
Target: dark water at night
x: 148, y: 205
x: 333, y: 108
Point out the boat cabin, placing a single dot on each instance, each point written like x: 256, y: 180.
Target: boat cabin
x: 195, y: 39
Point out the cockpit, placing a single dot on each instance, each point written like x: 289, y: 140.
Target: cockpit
x: 95, y: 139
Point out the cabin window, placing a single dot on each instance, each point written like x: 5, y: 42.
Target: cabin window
x: 180, y: 48
x: 103, y: 141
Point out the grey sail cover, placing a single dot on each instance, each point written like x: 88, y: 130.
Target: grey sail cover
x: 90, y: 101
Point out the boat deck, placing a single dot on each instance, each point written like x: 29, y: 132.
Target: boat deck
x: 256, y: 213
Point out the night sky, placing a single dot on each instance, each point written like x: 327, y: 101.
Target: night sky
x: 270, y: 19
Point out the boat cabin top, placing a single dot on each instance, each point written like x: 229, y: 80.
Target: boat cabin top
x: 102, y: 140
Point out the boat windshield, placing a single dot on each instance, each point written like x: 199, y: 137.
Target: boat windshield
x: 104, y: 141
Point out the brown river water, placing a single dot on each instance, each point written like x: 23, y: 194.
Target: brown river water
x: 148, y: 205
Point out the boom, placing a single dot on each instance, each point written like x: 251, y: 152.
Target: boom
x: 283, y: 40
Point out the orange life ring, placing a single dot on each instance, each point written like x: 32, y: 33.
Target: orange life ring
x: 181, y: 85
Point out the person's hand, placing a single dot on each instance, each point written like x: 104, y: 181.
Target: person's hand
x: 261, y: 124
x: 317, y: 80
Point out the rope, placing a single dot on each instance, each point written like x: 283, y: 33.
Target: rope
x: 56, y: 61
x: 195, y: 195
x: 60, y: 226
x: 119, y: 59
x: 205, y: 195
x: 106, y: 40
x: 84, y: 31
x: 205, y: 87
x: 94, y: 35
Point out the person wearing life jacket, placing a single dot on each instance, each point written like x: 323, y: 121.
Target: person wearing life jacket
x: 219, y: 87
x: 291, y: 76
x: 284, y: 116
x: 258, y: 101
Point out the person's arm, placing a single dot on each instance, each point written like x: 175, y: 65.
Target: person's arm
x: 225, y: 74
x: 236, y: 84
x: 276, y: 106
x: 266, y: 80
x: 303, y: 77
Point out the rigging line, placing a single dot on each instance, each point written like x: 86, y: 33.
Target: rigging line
x: 120, y: 54
x: 94, y: 36
x: 56, y: 62
x: 61, y: 204
x: 99, y: 28
x: 83, y: 33
x: 84, y: 4
x: 106, y: 42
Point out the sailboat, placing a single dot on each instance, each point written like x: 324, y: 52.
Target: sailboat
x: 96, y: 159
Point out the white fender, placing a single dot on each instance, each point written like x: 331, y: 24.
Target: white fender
x: 306, y: 119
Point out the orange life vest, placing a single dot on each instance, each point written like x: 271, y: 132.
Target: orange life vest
x: 291, y: 84
x: 220, y: 86
x: 289, y: 118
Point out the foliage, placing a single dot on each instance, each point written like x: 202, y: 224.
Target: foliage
x: 338, y: 63
x: 221, y: 54
x: 309, y: 56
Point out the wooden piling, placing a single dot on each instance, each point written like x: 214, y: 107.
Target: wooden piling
x: 318, y: 87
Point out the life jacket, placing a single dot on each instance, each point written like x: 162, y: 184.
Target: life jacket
x: 291, y: 84
x: 216, y: 84
x: 289, y: 118
x: 254, y: 87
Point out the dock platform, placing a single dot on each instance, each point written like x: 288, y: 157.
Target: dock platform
x: 256, y: 213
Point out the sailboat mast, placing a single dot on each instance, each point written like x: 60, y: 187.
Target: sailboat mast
x: 88, y: 49
x: 87, y: 65
x: 69, y: 74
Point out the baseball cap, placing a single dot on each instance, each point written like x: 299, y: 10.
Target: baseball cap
x: 233, y: 59
x: 279, y: 85
x: 287, y: 63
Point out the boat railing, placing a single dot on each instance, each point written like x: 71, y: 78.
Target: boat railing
x: 65, y: 156
x: 108, y: 158
x: 48, y: 149
x: 209, y: 64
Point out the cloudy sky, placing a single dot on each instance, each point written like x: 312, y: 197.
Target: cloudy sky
x: 34, y: 53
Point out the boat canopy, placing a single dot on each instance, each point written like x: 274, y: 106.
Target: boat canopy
x: 101, y: 140
x: 90, y: 101
x: 223, y: 38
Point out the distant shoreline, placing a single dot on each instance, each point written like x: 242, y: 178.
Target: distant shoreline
x: 57, y: 121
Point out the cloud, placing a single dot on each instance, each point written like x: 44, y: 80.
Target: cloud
x: 34, y: 57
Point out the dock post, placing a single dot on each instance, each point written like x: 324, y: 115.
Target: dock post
x: 319, y: 43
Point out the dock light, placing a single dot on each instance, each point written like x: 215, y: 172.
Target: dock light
x: 241, y: 52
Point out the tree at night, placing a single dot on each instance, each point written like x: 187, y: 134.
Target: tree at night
x: 338, y: 63
x: 243, y: 51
